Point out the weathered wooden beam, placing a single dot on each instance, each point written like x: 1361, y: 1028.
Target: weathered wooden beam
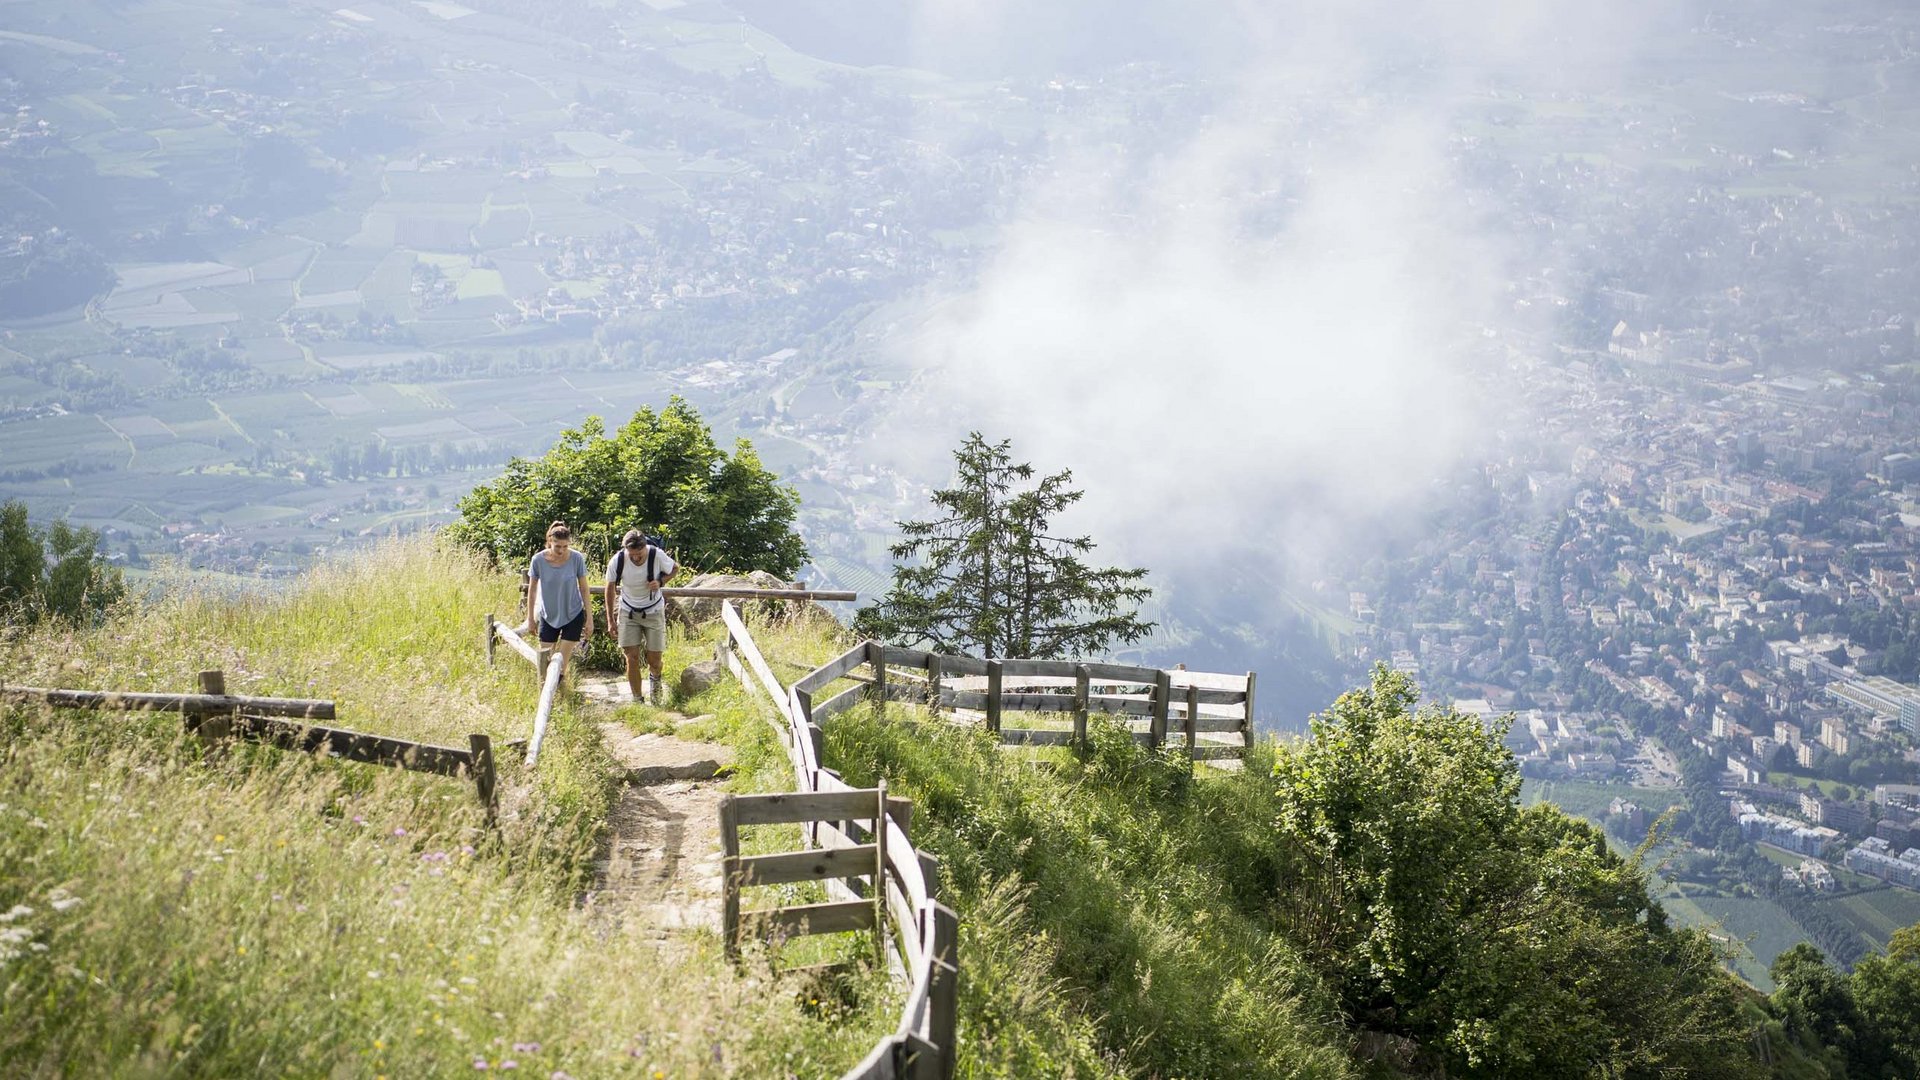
x: 790, y: 866
x: 1193, y: 716
x: 840, y: 702
x: 554, y: 670
x: 877, y: 692
x: 943, y: 994
x: 480, y: 750
x: 1217, y: 751
x: 995, y: 677
x: 745, y: 593
x: 839, y: 667
x: 743, y: 641
x: 829, y: 918
x: 1246, y: 733
x: 351, y: 745
x: 852, y: 804
x: 730, y: 876
x: 1080, y: 704
x: 188, y: 704
x: 1034, y: 737
x: 517, y: 643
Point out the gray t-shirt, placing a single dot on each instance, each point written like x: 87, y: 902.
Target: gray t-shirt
x: 559, y: 587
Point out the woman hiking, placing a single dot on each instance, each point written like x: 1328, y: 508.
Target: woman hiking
x: 557, y: 592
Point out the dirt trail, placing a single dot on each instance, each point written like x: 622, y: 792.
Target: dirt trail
x: 659, y: 868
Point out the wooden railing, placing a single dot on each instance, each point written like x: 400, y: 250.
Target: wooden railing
x: 921, y: 933
x: 214, y: 715
x: 1209, y: 715
x: 549, y: 673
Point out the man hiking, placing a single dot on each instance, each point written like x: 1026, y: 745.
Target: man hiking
x: 637, y: 611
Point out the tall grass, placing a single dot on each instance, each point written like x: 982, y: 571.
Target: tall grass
x: 169, y: 910
x: 1116, y: 914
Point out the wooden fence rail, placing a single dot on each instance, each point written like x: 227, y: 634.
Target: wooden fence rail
x: 1178, y: 708
x: 859, y: 846
x: 213, y: 715
x: 549, y: 673
x: 901, y: 884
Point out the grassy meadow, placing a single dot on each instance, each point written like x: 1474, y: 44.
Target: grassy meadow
x: 169, y: 911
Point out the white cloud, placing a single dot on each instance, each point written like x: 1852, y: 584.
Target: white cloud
x: 1227, y: 385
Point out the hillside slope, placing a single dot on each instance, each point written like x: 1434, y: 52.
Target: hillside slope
x: 165, y: 910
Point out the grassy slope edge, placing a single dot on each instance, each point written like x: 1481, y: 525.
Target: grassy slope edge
x: 167, y: 912
x: 259, y: 913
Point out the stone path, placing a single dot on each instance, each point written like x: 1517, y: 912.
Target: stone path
x: 659, y: 867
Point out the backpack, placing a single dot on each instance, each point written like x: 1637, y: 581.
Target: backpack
x: 620, y: 567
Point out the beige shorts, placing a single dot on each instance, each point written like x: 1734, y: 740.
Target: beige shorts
x: 647, y: 629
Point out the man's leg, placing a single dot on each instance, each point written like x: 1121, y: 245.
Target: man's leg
x: 654, y: 663
x: 655, y: 625
x: 632, y: 653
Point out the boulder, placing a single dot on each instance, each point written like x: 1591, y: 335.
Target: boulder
x: 698, y: 678
x: 696, y: 611
x: 647, y: 775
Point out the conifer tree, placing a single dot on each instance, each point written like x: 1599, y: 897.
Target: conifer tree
x: 991, y: 578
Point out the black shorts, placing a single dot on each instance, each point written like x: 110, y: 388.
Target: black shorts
x: 550, y: 633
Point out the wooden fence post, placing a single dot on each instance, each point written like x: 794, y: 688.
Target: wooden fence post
x: 730, y: 878
x: 818, y: 738
x: 490, y: 639
x: 481, y: 746
x: 1246, y: 728
x: 995, y: 679
x: 877, y: 656
x: 1162, y: 702
x: 933, y: 682
x: 900, y: 808
x: 1193, y: 723
x: 540, y: 668
x: 930, y: 870
x: 212, y: 729
x: 880, y: 877
x: 1081, y: 679
x: 943, y: 987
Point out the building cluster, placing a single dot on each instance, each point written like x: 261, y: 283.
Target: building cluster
x: 1875, y: 857
x: 1784, y: 832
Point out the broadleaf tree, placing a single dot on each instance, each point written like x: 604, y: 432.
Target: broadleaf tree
x: 662, y: 472
x: 1498, y: 940
x: 991, y: 577
x: 57, y: 572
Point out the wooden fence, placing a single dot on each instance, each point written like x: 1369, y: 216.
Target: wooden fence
x: 548, y: 672
x: 1209, y: 715
x: 899, y: 883
x: 214, y: 715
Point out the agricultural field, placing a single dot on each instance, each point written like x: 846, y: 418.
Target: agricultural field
x: 1759, y: 929
x: 1877, y: 912
x: 1587, y: 799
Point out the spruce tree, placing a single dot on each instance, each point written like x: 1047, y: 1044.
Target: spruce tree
x: 990, y: 578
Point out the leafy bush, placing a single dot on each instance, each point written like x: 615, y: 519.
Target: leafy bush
x: 54, y: 573
x: 661, y: 472
x: 1500, y: 941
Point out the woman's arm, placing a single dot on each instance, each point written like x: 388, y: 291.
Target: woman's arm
x: 533, y: 595
x: 586, y: 598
